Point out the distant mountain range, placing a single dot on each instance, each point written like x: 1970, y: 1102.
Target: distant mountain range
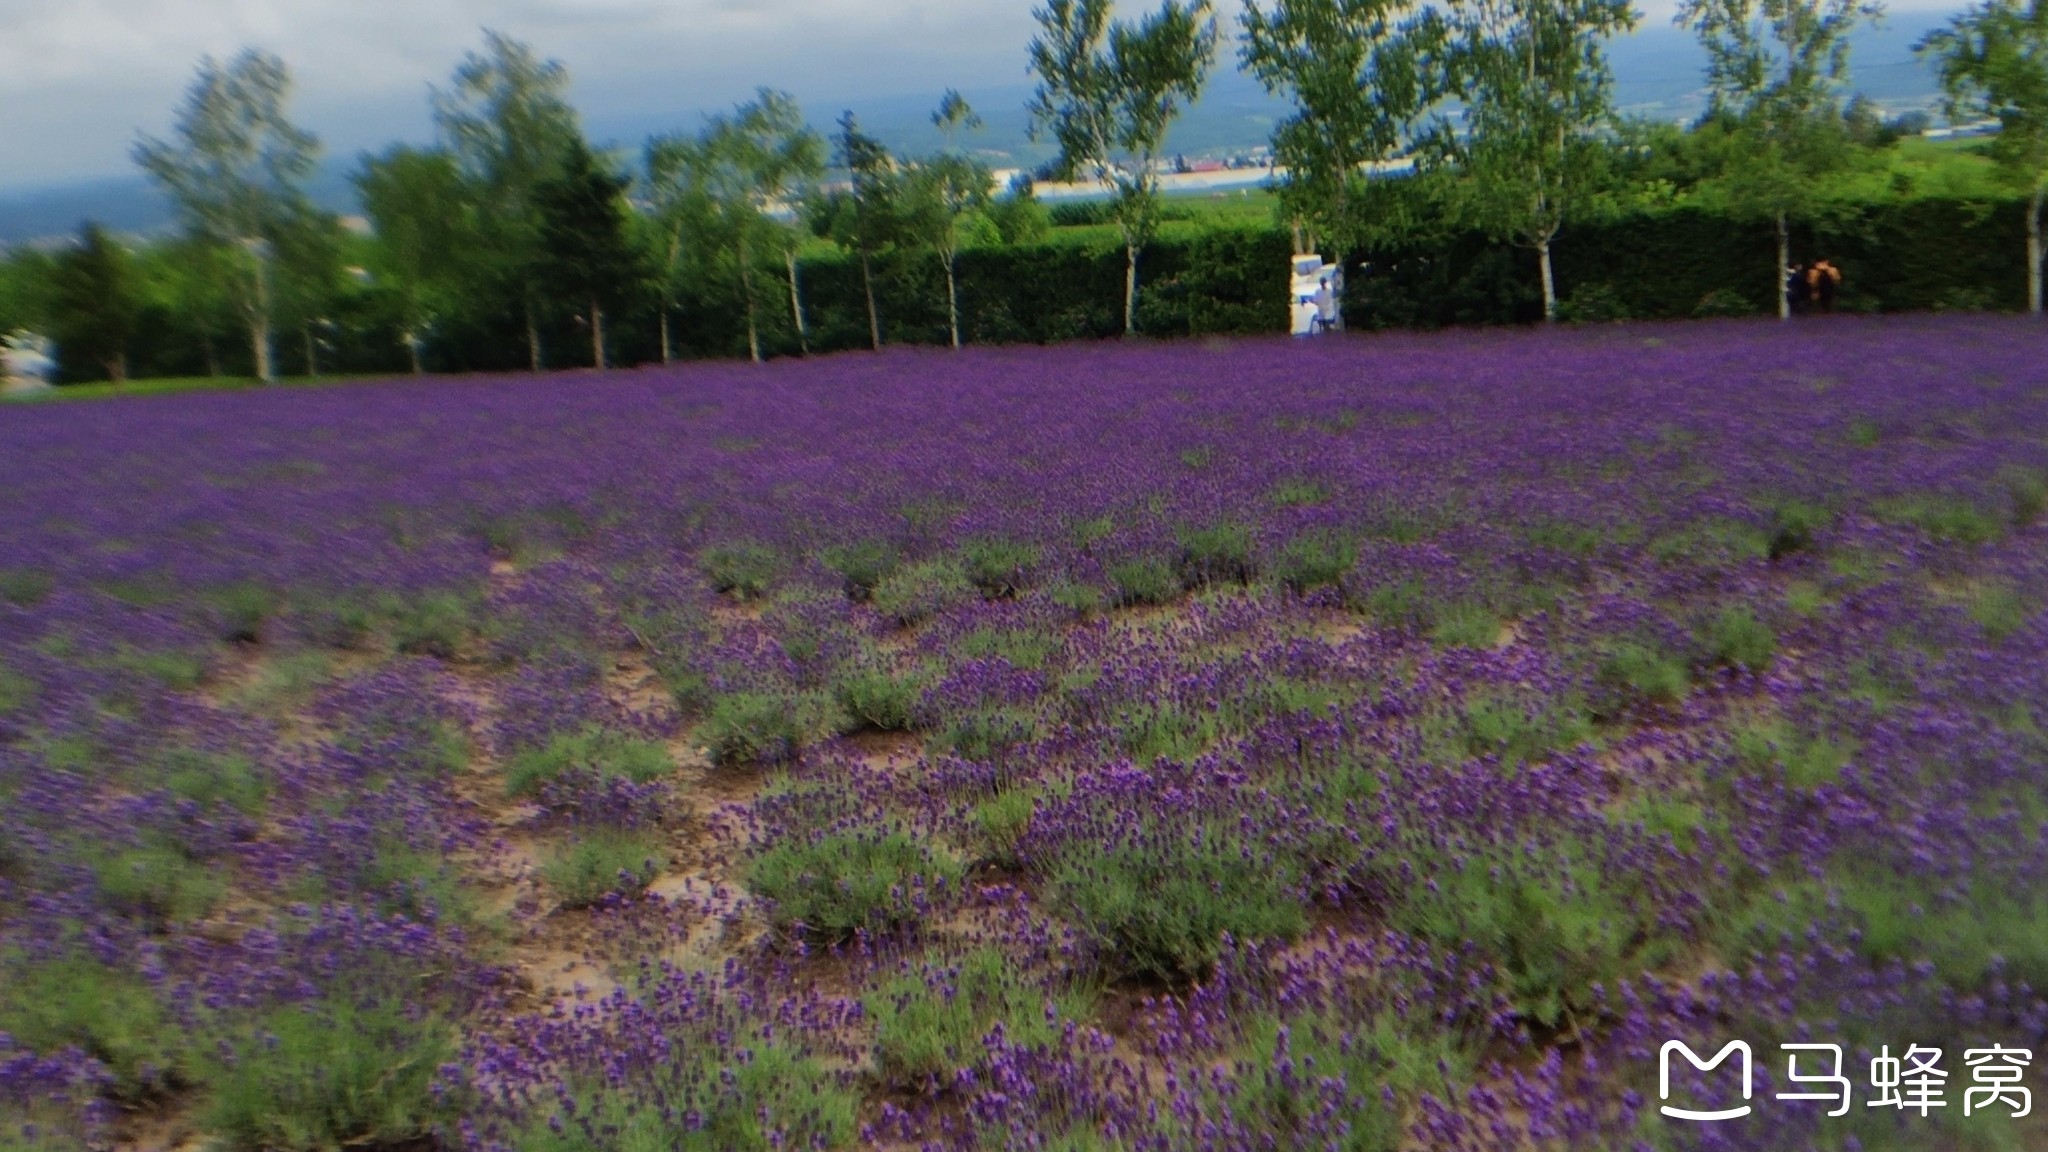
x: 1657, y: 72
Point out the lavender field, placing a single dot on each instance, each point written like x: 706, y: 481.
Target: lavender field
x: 1369, y: 744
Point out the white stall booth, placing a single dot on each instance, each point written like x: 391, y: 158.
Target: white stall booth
x: 1315, y: 294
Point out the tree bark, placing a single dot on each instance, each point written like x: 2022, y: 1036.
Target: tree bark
x: 747, y: 291
x: 212, y: 359
x: 596, y: 335
x: 952, y: 301
x: 259, y: 347
x: 259, y: 325
x: 796, y: 303
x: 532, y: 340
x: 312, y: 363
x: 1130, y: 289
x: 675, y: 250
x: 2034, y: 252
x: 867, y: 280
x: 117, y: 367
x: 412, y: 349
x: 1784, y: 269
x: 1549, y: 282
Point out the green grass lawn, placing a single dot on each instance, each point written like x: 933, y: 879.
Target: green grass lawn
x: 172, y: 384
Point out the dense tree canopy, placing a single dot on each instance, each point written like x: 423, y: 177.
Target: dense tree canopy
x: 95, y: 301
x: 511, y: 234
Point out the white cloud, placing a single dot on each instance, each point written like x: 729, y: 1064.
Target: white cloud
x: 79, y: 78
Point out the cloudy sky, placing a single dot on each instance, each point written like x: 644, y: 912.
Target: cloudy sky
x: 80, y: 78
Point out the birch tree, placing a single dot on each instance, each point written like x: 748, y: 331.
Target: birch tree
x: 1358, y: 74
x: 788, y: 160
x: 508, y: 123
x: 1994, y: 64
x: 1107, y: 93
x: 756, y: 160
x: 1774, y: 67
x: 683, y: 216
x: 945, y: 190
x: 869, y: 222
x: 424, y: 216
x: 1534, y: 82
x: 236, y: 169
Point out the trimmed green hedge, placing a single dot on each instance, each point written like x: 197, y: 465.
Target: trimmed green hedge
x: 1898, y: 255
x: 1901, y: 255
x: 1223, y: 281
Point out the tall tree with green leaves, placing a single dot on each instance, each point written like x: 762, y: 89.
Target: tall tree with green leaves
x: 1360, y: 75
x: 1107, y: 93
x: 508, y: 123
x: 757, y: 161
x: 424, y: 217
x: 752, y: 158
x: 1775, y: 67
x: 236, y: 170
x: 310, y: 277
x: 682, y: 220
x: 944, y: 190
x: 868, y: 223
x: 1534, y: 84
x: 1994, y: 63
x: 94, y: 302
x: 788, y: 160
x: 587, y: 253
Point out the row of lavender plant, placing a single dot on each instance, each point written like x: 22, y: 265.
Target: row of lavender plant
x: 1325, y: 746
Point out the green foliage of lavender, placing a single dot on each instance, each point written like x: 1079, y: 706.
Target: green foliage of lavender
x: 843, y: 882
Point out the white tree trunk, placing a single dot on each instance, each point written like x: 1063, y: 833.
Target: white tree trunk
x: 412, y: 348
x: 597, y: 336
x: 667, y: 352
x: 1130, y: 289
x: 1549, y: 282
x: 867, y: 280
x: 532, y: 340
x: 2034, y: 253
x: 796, y: 304
x: 952, y: 302
x: 1784, y: 269
x: 259, y: 324
x: 747, y: 291
x: 312, y: 358
x: 259, y: 347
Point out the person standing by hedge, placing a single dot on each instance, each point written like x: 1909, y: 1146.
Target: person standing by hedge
x: 1798, y: 289
x: 1827, y: 282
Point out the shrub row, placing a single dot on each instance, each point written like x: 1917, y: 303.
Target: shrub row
x: 1896, y: 255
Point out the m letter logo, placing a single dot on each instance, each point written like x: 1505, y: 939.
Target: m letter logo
x: 1664, y: 1079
